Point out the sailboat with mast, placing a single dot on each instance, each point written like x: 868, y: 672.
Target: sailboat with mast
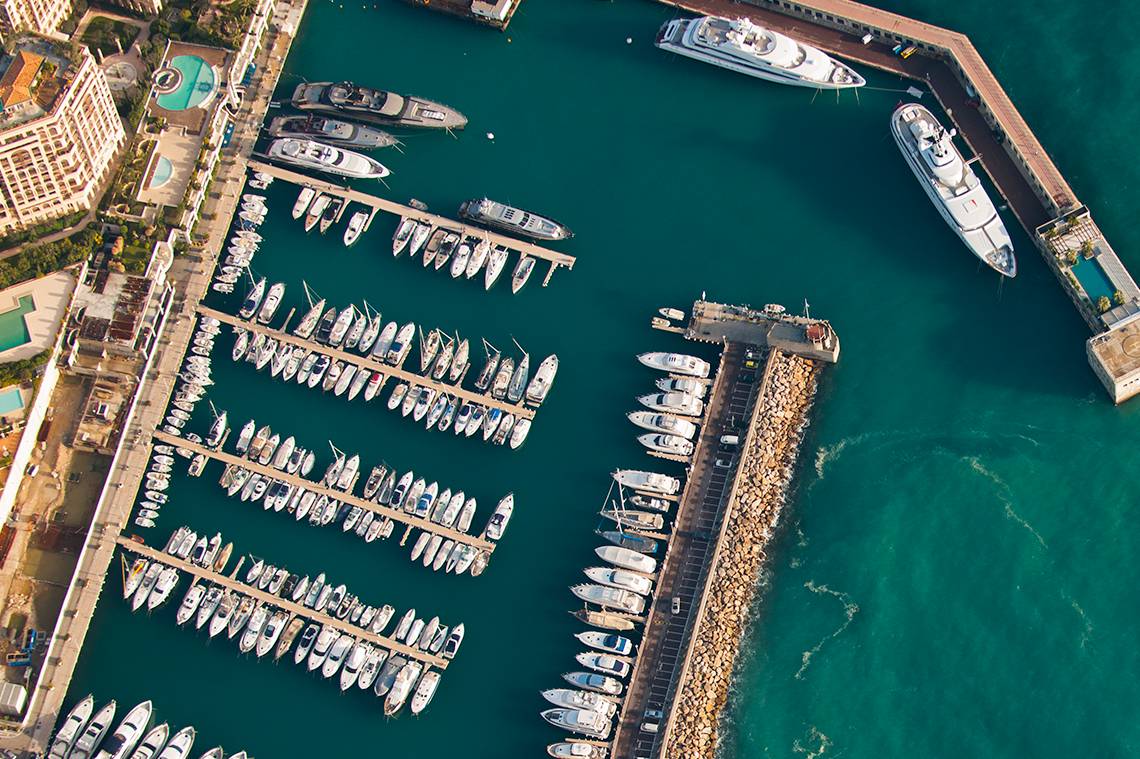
x: 312, y: 316
x: 489, y: 368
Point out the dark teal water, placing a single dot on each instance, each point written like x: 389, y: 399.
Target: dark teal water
x: 955, y: 574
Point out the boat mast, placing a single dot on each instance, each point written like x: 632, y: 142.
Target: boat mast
x: 308, y: 293
x: 488, y: 348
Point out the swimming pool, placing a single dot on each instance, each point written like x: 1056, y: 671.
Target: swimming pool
x: 1093, y: 279
x: 197, y: 84
x: 10, y: 400
x: 13, y: 328
x: 163, y: 169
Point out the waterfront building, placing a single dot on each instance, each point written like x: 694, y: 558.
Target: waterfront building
x: 59, y: 134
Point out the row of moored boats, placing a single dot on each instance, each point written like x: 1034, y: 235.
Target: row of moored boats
x: 83, y: 734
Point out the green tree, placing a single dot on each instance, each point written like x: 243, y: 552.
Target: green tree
x: 1103, y: 304
x: 1118, y: 297
x: 1072, y: 257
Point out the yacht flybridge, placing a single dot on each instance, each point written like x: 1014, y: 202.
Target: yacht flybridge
x: 318, y: 157
x: 742, y: 46
x: 953, y: 186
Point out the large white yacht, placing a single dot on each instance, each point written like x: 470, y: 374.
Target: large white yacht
x: 952, y: 186
x: 611, y: 598
x: 313, y: 155
x: 740, y: 45
x: 586, y: 722
x: 664, y: 423
x: 651, y: 481
x: 676, y: 363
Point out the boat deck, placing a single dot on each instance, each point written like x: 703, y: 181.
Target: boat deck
x: 284, y: 604
x: 384, y: 511
x: 519, y: 410
x: 555, y: 258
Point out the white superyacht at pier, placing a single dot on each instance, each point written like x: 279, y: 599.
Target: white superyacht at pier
x: 952, y: 186
x: 742, y: 46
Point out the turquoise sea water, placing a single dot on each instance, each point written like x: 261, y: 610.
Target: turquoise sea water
x: 955, y: 574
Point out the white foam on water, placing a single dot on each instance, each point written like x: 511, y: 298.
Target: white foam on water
x: 850, y: 609
x: 1006, y: 497
x: 817, y: 743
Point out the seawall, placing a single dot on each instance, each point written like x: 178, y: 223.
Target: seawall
x: 754, y: 508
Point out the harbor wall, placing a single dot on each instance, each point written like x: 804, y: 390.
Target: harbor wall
x: 754, y: 507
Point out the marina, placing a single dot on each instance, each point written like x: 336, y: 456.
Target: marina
x: 268, y: 471
x: 518, y: 409
x: 680, y: 668
x: 270, y: 599
x: 554, y: 258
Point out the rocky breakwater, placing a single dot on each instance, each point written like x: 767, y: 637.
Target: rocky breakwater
x: 765, y: 470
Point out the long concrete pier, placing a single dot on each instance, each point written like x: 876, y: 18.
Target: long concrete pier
x: 530, y: 249
x: 282, y: 603
x: 519, y: 410
x: 316, y: 487
x: 724, y: 520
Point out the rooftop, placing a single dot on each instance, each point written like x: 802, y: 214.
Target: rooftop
x: 802, y: 335
x: 16, y: 84
x: 109, y: 306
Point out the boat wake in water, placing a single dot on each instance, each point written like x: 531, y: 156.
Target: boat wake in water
x: 850, y: 609
x: 1006, y: 498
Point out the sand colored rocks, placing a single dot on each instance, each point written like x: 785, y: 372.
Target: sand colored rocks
x: 765, y: 470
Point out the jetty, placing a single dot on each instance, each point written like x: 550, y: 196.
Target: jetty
x: 397, y: 515
x: 1062, y: 229
x: 230, y: 583
x: 761, y: 393
x: 452, y: 225
x: 367, y: 362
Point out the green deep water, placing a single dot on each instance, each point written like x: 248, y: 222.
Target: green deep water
x: 956, y: 573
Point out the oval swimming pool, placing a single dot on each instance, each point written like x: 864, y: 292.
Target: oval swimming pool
x: 197, y: 86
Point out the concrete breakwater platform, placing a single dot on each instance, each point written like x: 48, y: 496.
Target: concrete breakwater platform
x: 762, y: 392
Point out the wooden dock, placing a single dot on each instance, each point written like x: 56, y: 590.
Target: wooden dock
x: 318, y: 488
x: 284, y: 604
x: 519, y: 410
x: 526, y: 248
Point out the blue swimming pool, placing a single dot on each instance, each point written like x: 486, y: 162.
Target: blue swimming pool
x: 10, y: 400
x: 13, y: 328
x: 198, y: 83
x: 163, y: 169
x: 1093, y: 279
